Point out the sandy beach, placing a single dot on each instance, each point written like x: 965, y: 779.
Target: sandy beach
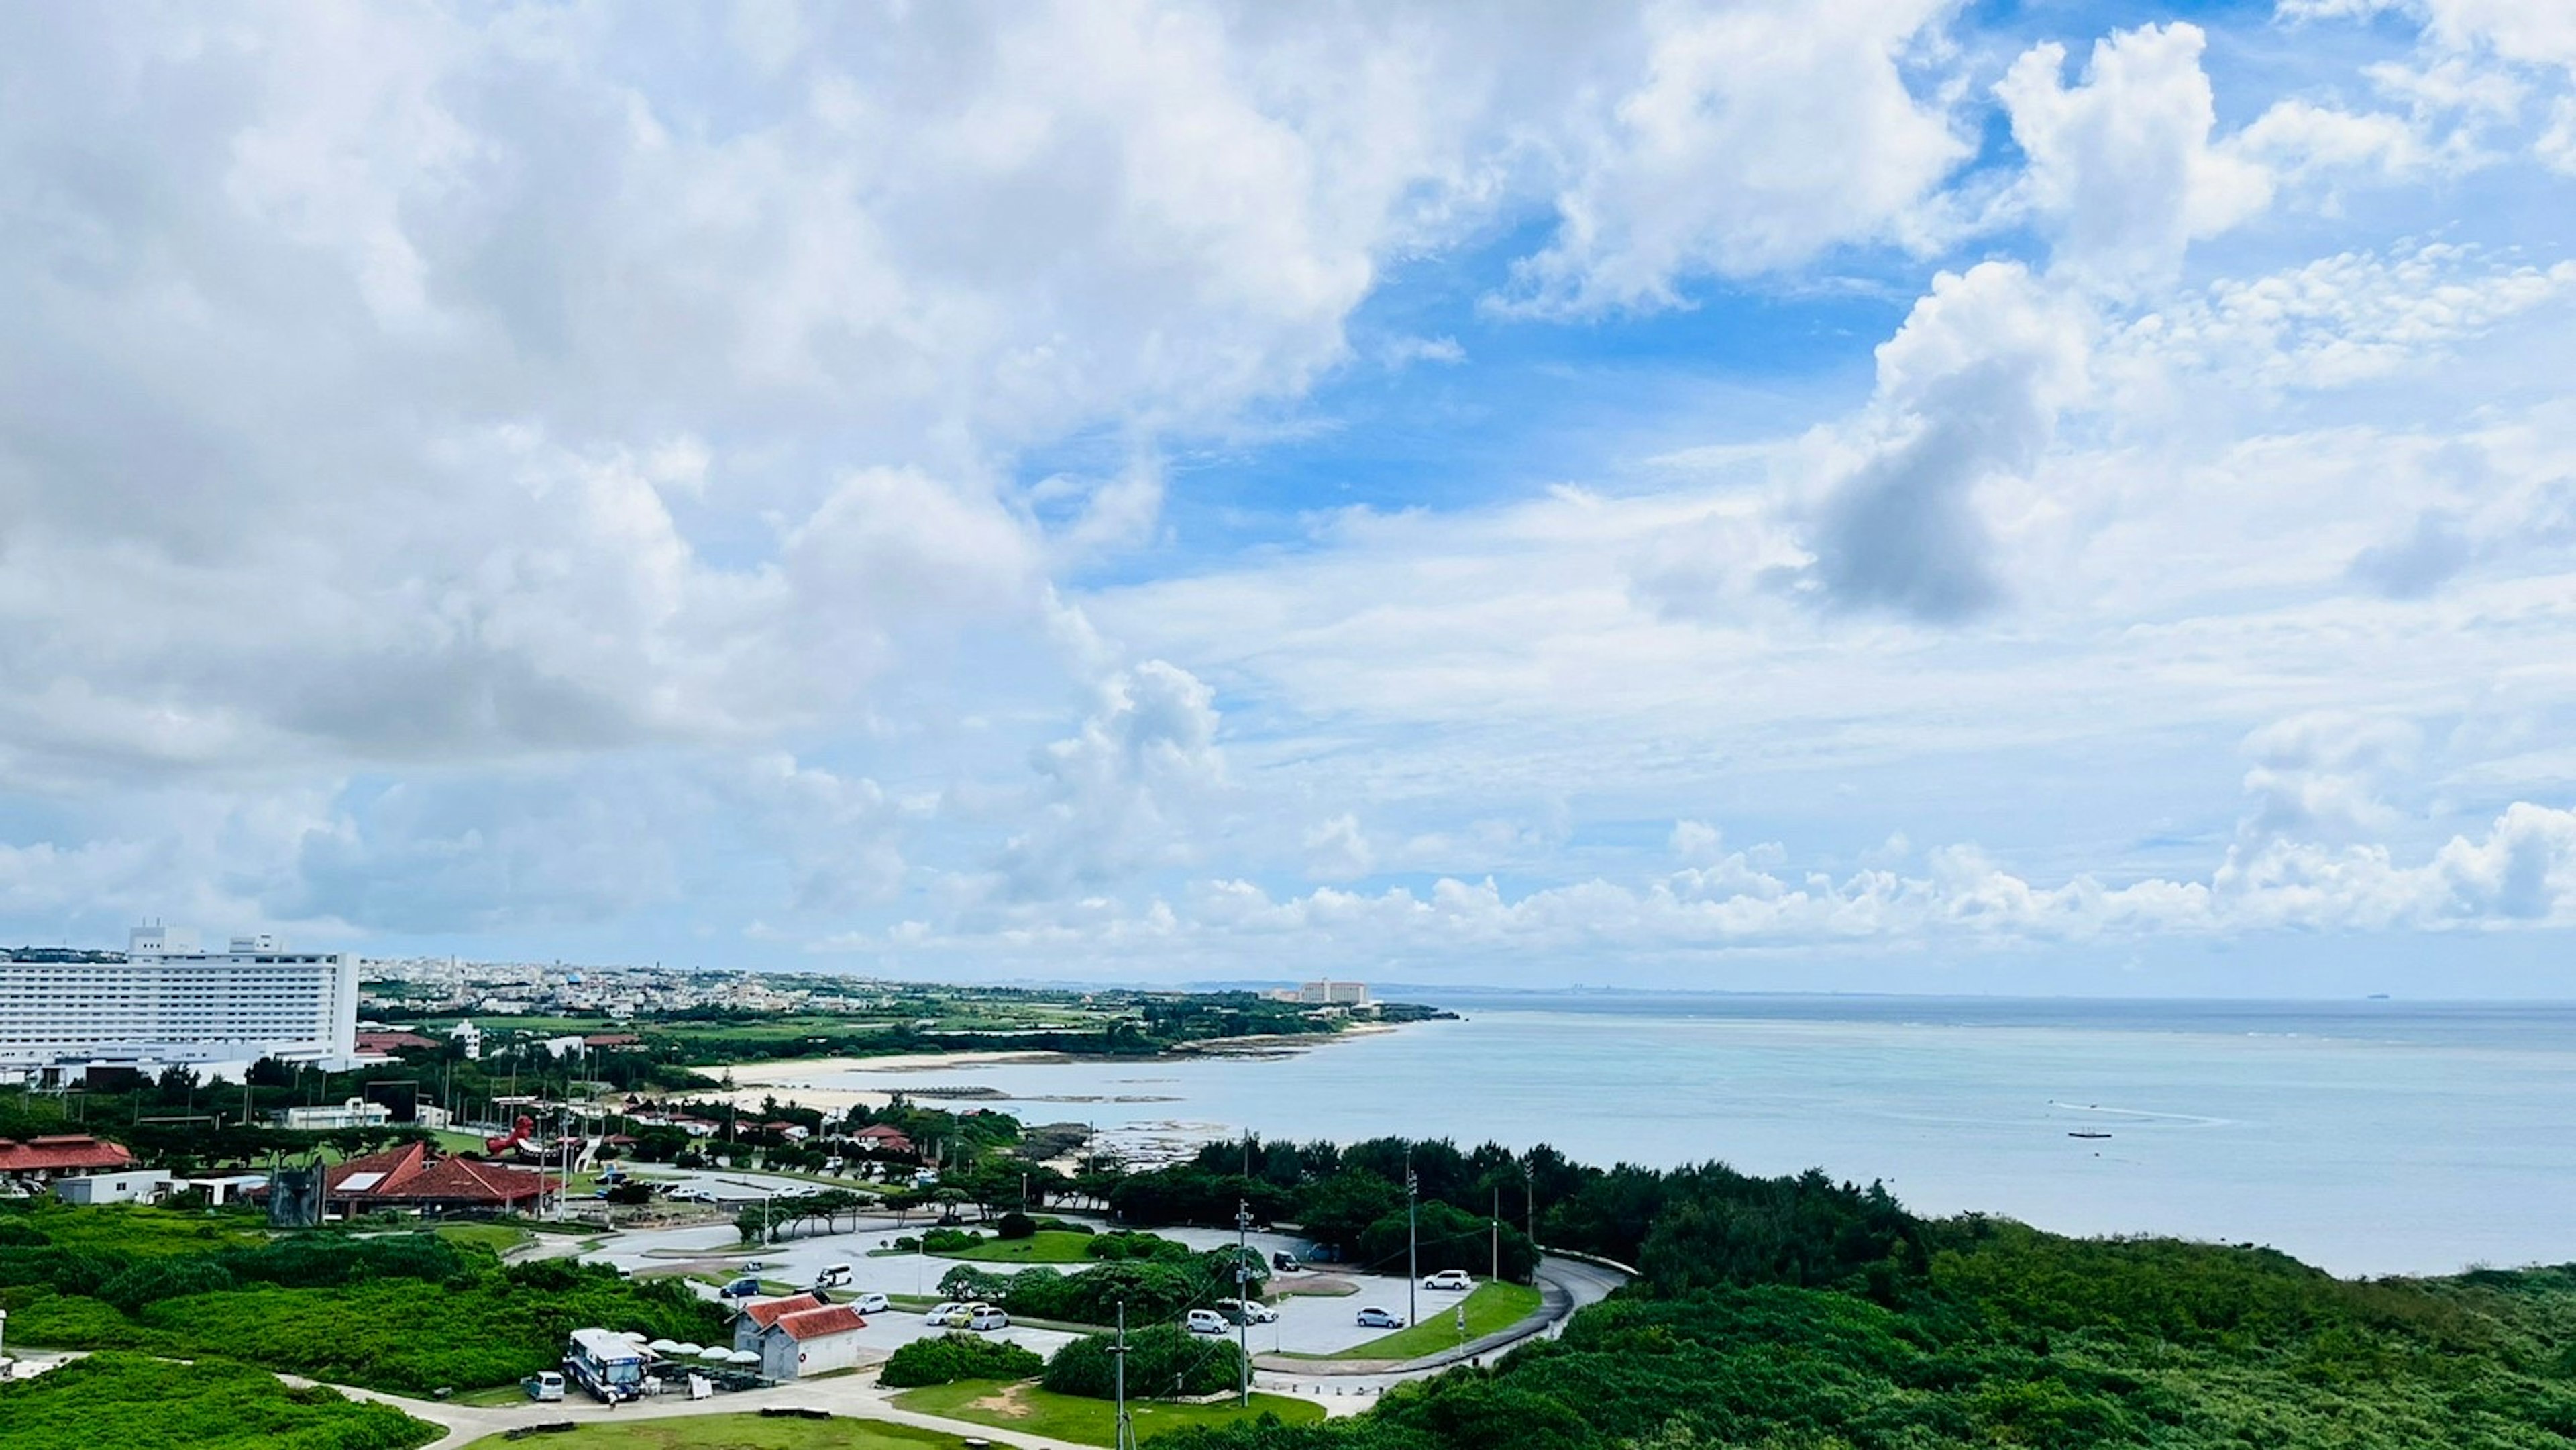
x: 805, y: 1080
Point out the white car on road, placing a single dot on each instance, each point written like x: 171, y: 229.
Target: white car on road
x: 1449, y: 1279
x: 1247, y: 1311
x: 869, y: 1303
x: 1376, y: 1318
x: 939, y: 1315
x: 1206, y: 1321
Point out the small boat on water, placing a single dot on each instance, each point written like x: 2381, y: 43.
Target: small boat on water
x: 2087, y: 1133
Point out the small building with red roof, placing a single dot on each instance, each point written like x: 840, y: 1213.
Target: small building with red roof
x: 877, y: 1137
x: 810, y: 1342
x: 59, y: 1155
x: 758, y: 1314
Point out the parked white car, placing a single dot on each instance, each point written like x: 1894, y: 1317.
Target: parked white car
x: 1251, y: 1311
x: 939, y: 1314
x: 1449, y: 1279
x: 869, y: 1303
x: 985, y: 1316
x: 1376, y: 1318
x: 1205, y: 1321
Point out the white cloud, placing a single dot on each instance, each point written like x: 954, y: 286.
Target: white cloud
x: 1118, y: 795
x: 2122, y: 166
x: 2343, y: 319
x: 1338, y: 850
x: 1970, y: 388
x: 1709, y: 166
x: 2520, y: 871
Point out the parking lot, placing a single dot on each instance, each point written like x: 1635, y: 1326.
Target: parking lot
x: 1313, y: 1324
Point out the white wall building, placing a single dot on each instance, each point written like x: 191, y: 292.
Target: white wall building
x: 142, y: 1185
x: 168, y: 1003
x: 355, y: 1113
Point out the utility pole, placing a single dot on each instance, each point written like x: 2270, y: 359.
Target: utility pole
x: 1243, y: 1294
x: 1126, y: 1436
x: 1412, y: 1246
x: 1529, y: 1197
x: 1494, y: 1234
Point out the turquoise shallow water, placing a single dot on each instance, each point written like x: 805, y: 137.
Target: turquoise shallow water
x: 2367, y: 1138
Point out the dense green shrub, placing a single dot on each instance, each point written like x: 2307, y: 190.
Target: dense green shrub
x: 1163, y: 1362
x: 950, y: 1357
x: 1128, y: 1244
x: 118, y: 1400
x: 407, y: 1312
x: 949, y: 1240
x: 1015, y: 1226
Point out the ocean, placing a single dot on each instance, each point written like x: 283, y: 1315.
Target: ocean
x: 2364, y: 1137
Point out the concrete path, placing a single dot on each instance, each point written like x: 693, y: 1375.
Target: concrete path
x: 849, y: 1396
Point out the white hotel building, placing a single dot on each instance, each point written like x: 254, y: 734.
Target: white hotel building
x: 165, y: 1002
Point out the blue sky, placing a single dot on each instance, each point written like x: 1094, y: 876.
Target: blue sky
x: 1897, y: 495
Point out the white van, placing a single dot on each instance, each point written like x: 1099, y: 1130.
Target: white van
x: 1206, y: 1321
x: 545, y: 1384
x: 833, y: 1276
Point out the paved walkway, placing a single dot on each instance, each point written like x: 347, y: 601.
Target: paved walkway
x: 849, y: 1396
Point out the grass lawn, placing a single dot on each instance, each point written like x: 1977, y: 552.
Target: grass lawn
x: 732, y: 1432
x: 1021, y: 1405
x: 1046, y: 1246
x: 500, y: 1238
x: 1491, y: 1307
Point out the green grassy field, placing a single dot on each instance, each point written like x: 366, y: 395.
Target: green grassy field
x: 732, y: 1432
x: 1021, y: 1405
x: 1491, y: 1307
x: 1047, y: 1246
x: 500, y: 1238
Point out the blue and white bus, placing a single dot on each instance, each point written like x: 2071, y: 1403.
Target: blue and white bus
x: 608, y: 1365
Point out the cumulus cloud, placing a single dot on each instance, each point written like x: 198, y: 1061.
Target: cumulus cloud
x: 1338, y: 850
x: 2122, y: 167
x: 2519, y: 871
x: 1970, y: 388
x: 1709, y: 165
x: 1117, y: 794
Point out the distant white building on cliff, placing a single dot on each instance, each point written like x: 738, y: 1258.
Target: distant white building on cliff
x: 1325, y: 994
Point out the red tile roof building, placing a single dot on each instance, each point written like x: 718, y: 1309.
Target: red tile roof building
x: 815, y: 1323
x: 765, y: 1312
x: 55, y: 1155
x: 801, y: 1337
x: 414, y: 1176
x: 393, y: 1041
x: 884, y: 1139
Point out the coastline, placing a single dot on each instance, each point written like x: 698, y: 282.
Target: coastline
x: 780, y: 1077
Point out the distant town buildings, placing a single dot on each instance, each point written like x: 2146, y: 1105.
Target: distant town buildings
x: 1326, y: 993
x: 162, y: 1002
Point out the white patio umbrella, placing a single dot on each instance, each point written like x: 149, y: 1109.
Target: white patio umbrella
x: 664, y: 1346
x: 746, y: 1356
x: 686, y: 1348
x: 715, y: 1352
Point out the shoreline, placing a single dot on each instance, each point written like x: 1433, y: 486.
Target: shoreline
x: 780, y: 1077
